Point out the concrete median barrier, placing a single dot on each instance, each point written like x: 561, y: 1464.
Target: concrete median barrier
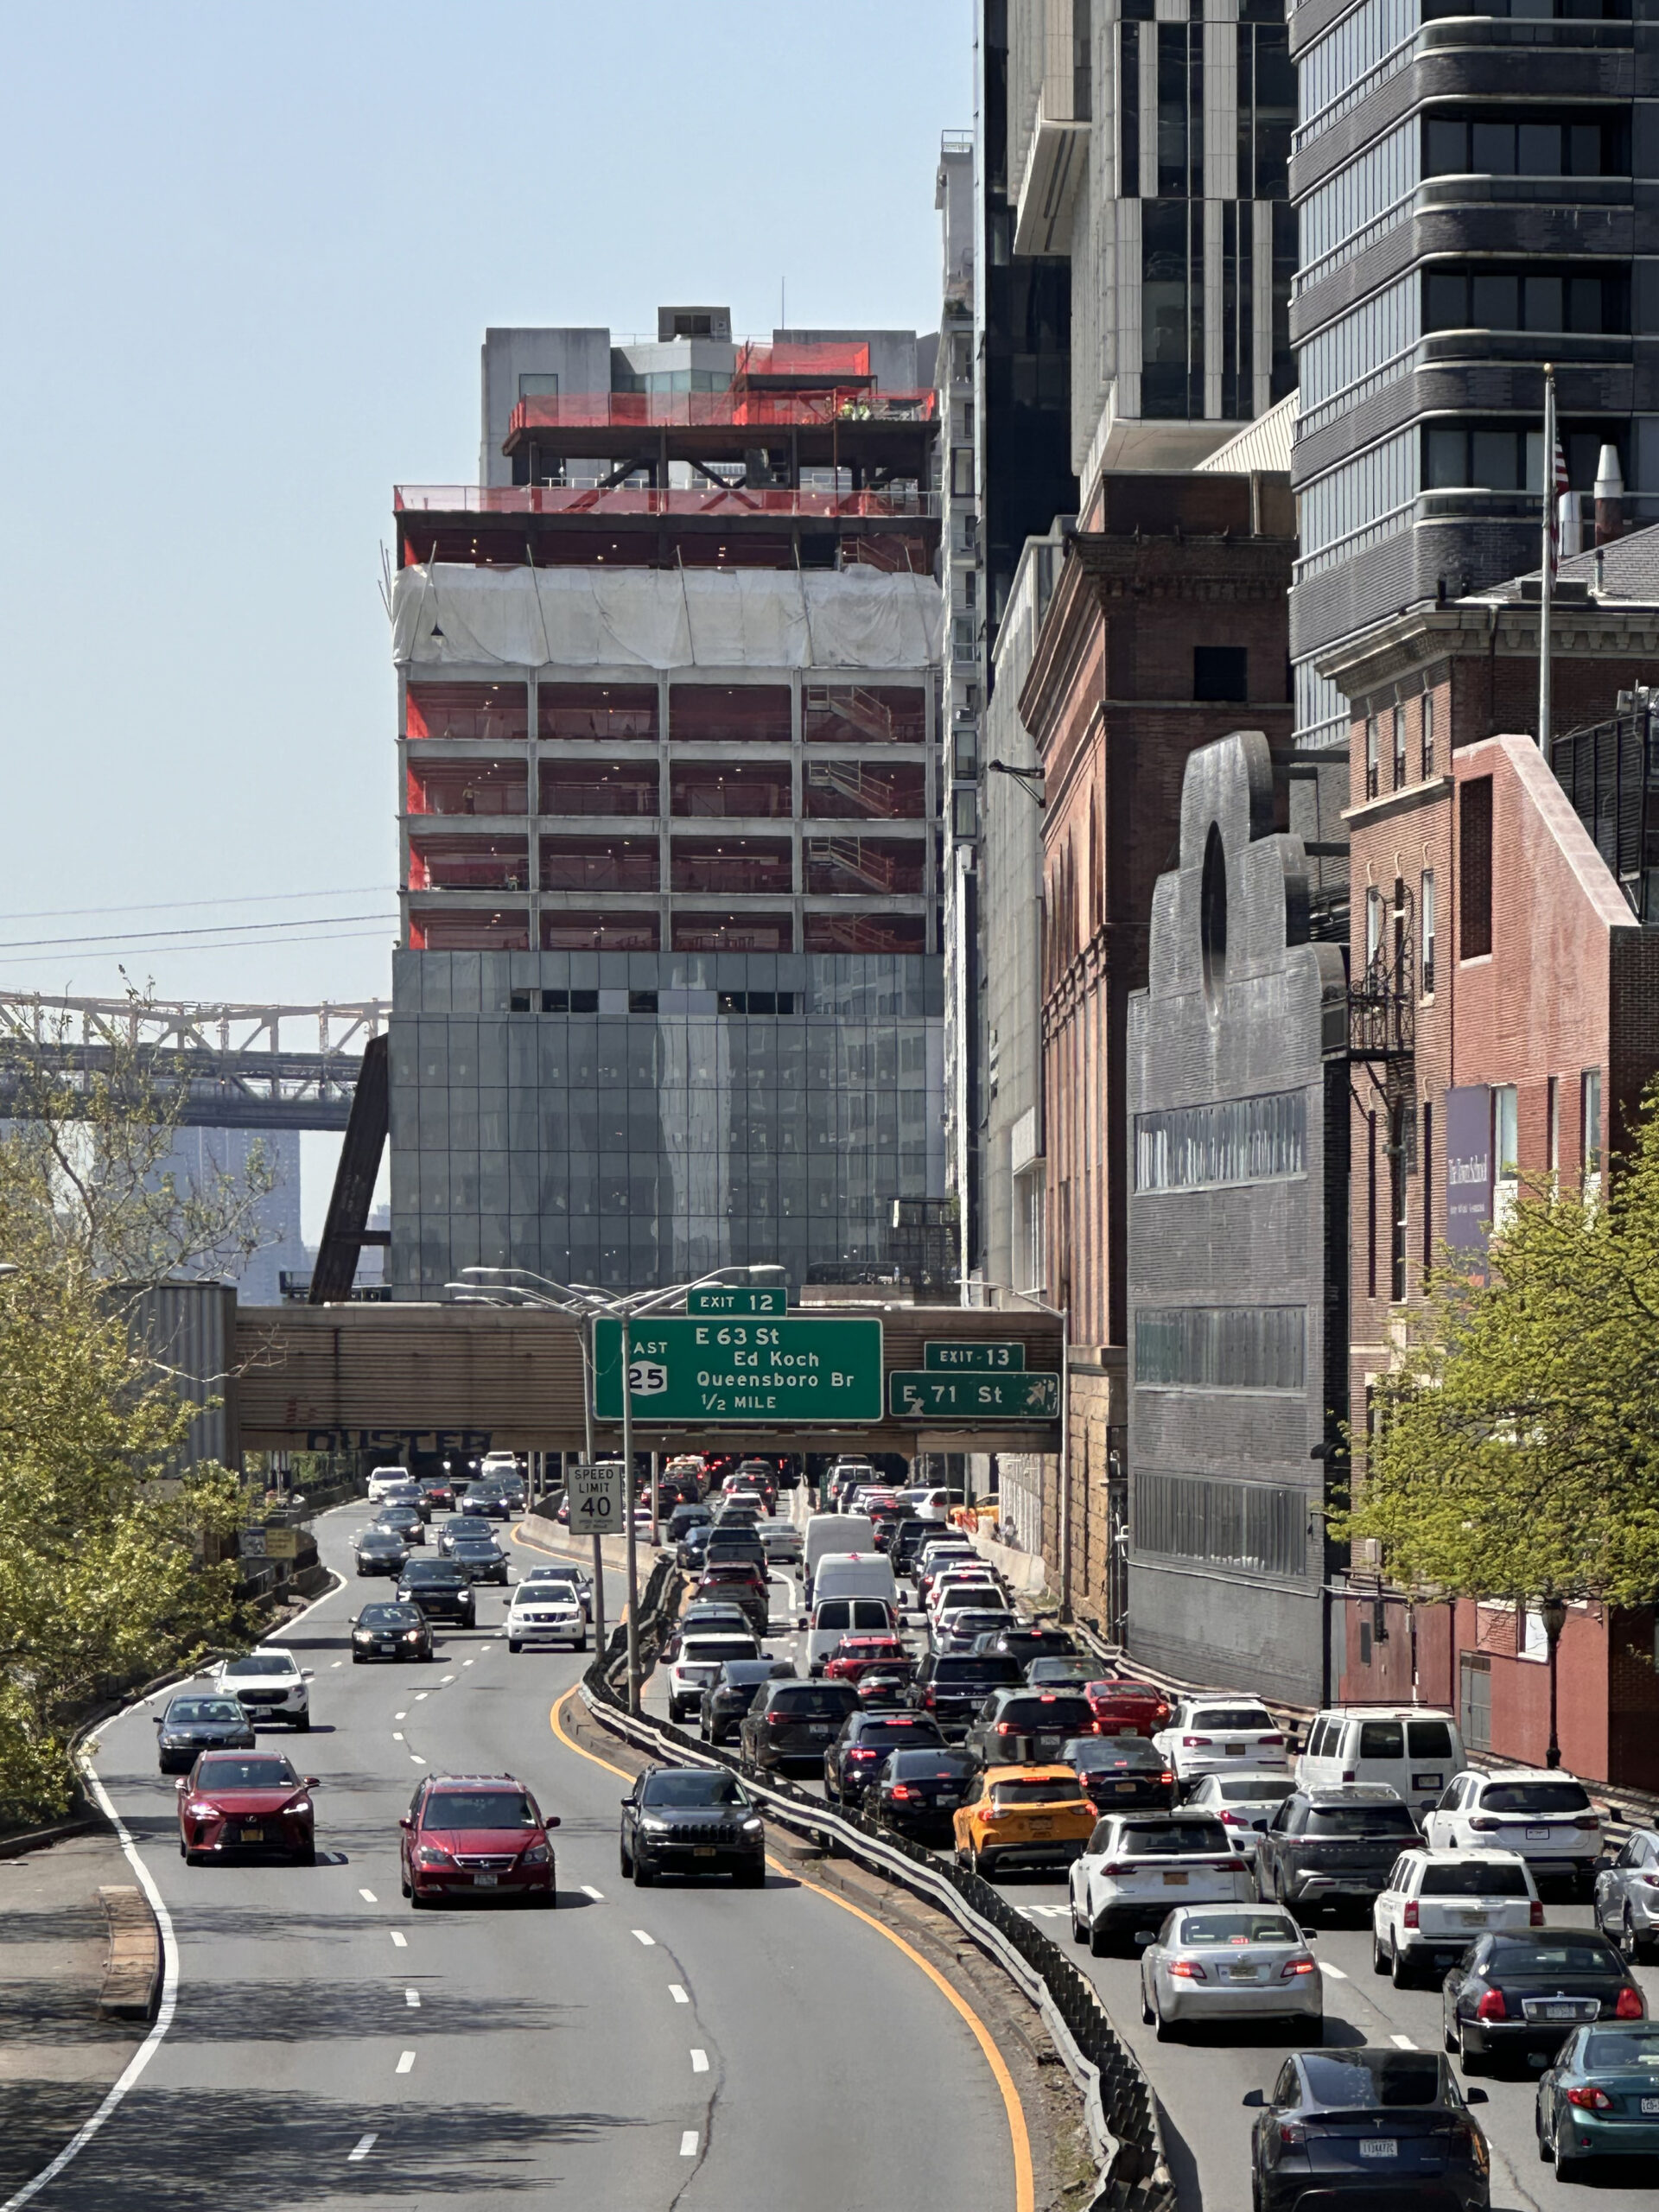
x: 132, y: 1974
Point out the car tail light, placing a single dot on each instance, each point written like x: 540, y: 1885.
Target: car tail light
x: 1350, y: 1776
x: 1191, y: 1743
x: 1589, y: 2098
x: 1588, y: 1821
x: 1486, y: 1825
x: 903, y: 1790
x: 857, y: 1754
x: 1118, y: 1866
x: 929, y: 1699
x: 1269, y: 1739
x: 1007, y: 1728
x: 1534, y: 1915
x: 1233, y: 1820
x: 1168, y: 1776
x: 1411, y: 1916
x: 1188, y: 1970
x: 1492, y: 2006
x: 1629, y: 2007
x: 1291, y: 2135
x: 1292, y: 1967
x: 777, y: 1720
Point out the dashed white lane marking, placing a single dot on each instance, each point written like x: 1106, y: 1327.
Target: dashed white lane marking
x: 589, y: 1891
x: 359, y: 2150
x: 678, y: 1994
x: 688, y: 2144
x: 465, y: 1662
x: 1331, y: 1973
x: 640, y: 1936
x: 397, y: 1736
x: 1046, y: 1911
x: 400, y: 1716
x: 1403, y: 2043
x: 368, y: 1897
x: 442, y: 1679
x: 337, y: 1663
x: 699, y: 2061
x: 419, y: 1694
x: 416, y: 1759
x: 406, y: 2063
x: 412, y: 1999
x: 400, y: 1939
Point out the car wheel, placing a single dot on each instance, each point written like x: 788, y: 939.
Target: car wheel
x: 753, y: 1877
x: 1545, y: 2148
x: 402, y: 1883
x: 1164, y: 2029
x: 357, y: 1658
x: 624, y: 1863
x: 419, y: 1902
x: 1148, y: 2013
x: 1473, y: 2062
x: 1379, y: 1956
x: 1099, y: 1941
x: 514, y: 1644
x: 1629, y: 1942
x: 308, y: 1857
x: 1568, y: 2169
x: 303, y: 1724
x: 985, y: 1865
x: 1400, y: 1968
x: 644, y: 1876
x: 1080, y: 1928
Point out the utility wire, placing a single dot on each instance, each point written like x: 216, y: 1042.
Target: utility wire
x: 220, y: 944
x: 116, y: 937
x: 183, y: 905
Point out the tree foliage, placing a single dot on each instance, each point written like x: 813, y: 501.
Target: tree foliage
x: 1515, y: 1446
x: 108, y: 1571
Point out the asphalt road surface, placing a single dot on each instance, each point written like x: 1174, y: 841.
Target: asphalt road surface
x: 694, y: 2045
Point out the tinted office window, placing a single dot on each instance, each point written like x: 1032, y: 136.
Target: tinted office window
x: 1475, y: 867
x: 1221, y: 673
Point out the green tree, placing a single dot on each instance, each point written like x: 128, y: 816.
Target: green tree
x: 109, y: 1568
x: 1516, y: 1445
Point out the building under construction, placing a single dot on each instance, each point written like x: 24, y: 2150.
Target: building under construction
x: 669, y: 679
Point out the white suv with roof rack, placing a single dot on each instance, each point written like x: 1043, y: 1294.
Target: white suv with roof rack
x: 1546, y: 1817
x: 1438, y: 1901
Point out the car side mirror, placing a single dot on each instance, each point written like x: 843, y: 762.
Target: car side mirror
x: 308, y: 1673
x: 1602, y: 1864
x: 314, y: 1782
x: 1474, y: 2096
x: 1253, y: 2100
x: 626, y: 1801
x: 183, y: 1782
x: 404, y: 1821
x: 158, y: 1719
x: 551, y: 1822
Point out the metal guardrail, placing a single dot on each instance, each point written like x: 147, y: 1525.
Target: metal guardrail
x: 1121, y: 2115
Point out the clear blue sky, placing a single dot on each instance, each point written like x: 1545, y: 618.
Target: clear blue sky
x: 249, y: 255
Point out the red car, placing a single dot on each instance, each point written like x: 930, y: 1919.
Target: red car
x: 470, y: 1835
x: 855, y: 1654
x: 245, y: 1801
x: 1122, y: 1708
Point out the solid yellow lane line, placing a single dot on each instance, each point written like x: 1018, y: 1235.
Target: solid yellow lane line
x: 1024, y: 2187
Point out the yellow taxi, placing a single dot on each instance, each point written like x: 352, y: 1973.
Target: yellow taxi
x: 1022, y: 1816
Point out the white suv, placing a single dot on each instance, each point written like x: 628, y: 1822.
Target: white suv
x: 1219, y: 1735
x: 1137, y: 1865
x: 1438, y: 1901
x: 383, y: 1481
x: 546, y: 1612
x: 269, y: 1684
x: 1546, y: 1817
x: 701, y: 1658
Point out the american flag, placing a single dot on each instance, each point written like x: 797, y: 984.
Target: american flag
x: 1559, y: 484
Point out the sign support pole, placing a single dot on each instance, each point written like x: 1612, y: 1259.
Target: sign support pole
x: 627, y: 1506
x: 588, y: 1439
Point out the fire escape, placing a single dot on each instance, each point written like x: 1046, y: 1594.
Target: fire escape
x: 1382, y: 1043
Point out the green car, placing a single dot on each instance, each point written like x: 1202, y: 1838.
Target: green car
x: 1600, y: 2099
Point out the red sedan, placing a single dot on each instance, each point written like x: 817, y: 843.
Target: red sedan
x: 245, y: 1801
x: 855, y: 1654
x: 1122, y: 1708
x: 475, y: 1835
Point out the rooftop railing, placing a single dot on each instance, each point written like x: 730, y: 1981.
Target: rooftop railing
x: 625, y: 500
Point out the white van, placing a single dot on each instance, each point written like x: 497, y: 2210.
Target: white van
x: 836, y: 1532
x: 833, y: 1618
x: 855, y: 1574
x: 1416, y: 1749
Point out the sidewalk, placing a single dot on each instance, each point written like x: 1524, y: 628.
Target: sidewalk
x: 57, y: 2055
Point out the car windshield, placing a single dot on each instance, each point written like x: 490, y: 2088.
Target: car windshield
x: 1099, y: 1754
x: 1066, y: 1791
x: 935, y: 1765
x: 981, y: 1671
x: 691, y: 1789
x: 1252, y: 1789
x: 809, y: 1703
x: 744, y: 1672
x: 380, y: 1540
x: 1621, y: 2047
x: 1533, y: 1797
x: 430, y: 1570
x: 1060, y: 1670
x: 880, y: 1730
x: 700, y: 1649
x: 246, y: 1774
x: 1361, y: 1820
x: 1238, y: 1928
x: 1474, y: 1877
x: 479, y: 1809
x: 1230, y: 1716
x: 184, y: 1710
x: 1175, y: 1837
x: 1047, y: 1714
x: 1364, y: 2079
x: 554, y: 1574
x: 1135, y: 1692
x: 262, y: 1663
x: 1555, y: 1954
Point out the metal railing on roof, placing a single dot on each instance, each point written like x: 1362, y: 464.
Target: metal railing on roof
x: 625, y: 500
x: 692, y: 410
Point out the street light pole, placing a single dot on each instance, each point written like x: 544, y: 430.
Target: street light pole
x: 627, y: 1506
x: 1553, y: 1612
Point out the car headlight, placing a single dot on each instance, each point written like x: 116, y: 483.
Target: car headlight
x: 363, y: 1636
x: 536, y: 1856
x: 750, y: 1825
x: 197, y: 1811
x: 433, y: 1855
x: 411, y: 1635
x: 303, y: 1806
x: 654, y: 1827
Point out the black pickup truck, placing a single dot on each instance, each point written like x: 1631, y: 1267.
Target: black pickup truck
x: 1334, y: 1846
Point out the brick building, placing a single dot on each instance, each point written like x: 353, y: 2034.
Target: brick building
x: 1503, y: 1021
x: 1166, y: 628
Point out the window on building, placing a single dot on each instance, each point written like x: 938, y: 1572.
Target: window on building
x: 1221, y: 1347
x: 1347, y: 215
x: 962, y: 471
x: 1426, y: 1170
x: 1429, y: 735
x: 1171, y: 306
x: 1398, y: 748
x: 1590, y: 1126
x: 1486, y: 144
x: 1372, y: 926
x: 1221, y: 673
x: 1506, y: 1152
x: 1261, y: 1528
x: 1475, y: 868
x: 1234, y: 1141
x: 1267, y: 110
x: 1371, y: 1204
x: 1499, y: 457
x: 1373, y: 778
x: 1360, y: 351
x: 1426, y: 908
x: 538, y: 384
x: 1398, y: 1226
x: 1560, y: 298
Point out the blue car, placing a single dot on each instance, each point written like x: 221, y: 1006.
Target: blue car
x: 1600, y: 2099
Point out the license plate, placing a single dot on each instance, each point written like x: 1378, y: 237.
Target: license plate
x: 1650, y: 2104
x: 1537, y: 1835
x: 1174, y: 1881
x: 1128, y: 1728
x: 385, y: 1647
x: 1234, y: 1750
x: 1042, y: 1828
x: 1238, y: 1973
x: 1472, y: 1919
x: 484, y: 1881
x: 1379, y: 2146
x: 948, y: 1797
x: 1124, y: 1789
x: 1048, y: 1743
x: 1427, y: 1781
x: 704, y: 1851
x: 818, y: 1728
x: 253, y: 1835
x: 1560, y: 2011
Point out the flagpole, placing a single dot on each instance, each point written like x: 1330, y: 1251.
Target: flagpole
x: 1548, y: 558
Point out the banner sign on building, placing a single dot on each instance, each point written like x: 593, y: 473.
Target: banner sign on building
x: 1468, y: 1167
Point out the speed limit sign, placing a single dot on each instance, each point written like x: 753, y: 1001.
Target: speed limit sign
x: 597, y: 1503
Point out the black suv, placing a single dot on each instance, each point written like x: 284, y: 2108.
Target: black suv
x: 440, y: 1589
x: 733, y: 1690
x: 794, y: 1723
x: 1312, y: 2144
x: 1334, y: 1846
x: 953, y: 1686
x: 687, y: 1821
x: 865, y: 1739
x: 1027, y: 1727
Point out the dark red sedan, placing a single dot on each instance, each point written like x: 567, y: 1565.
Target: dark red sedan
x: 854, y: 1655
x: 234, y: 1801
x: 476, y: 1835
x: 1125, y: 1708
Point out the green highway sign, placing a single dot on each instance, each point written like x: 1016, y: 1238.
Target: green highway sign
x: 976, y: 1359
x: 928, y: 1395
x: 735, y: 1297
x: 697, y: 1370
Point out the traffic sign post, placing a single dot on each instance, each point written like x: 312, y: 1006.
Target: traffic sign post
x: 597, y: 1496
x: 975, y: 1358
x: 760, y: 1372
x: 920, y: 1394
x: 736, y: 1298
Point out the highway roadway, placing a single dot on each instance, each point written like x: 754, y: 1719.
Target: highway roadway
x: 1201, y: 2082
x: 695, y: 2045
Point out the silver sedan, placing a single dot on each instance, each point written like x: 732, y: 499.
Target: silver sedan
x: 1230, y: 1962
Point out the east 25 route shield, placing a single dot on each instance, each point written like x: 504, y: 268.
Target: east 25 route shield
x: 711, y: 1368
